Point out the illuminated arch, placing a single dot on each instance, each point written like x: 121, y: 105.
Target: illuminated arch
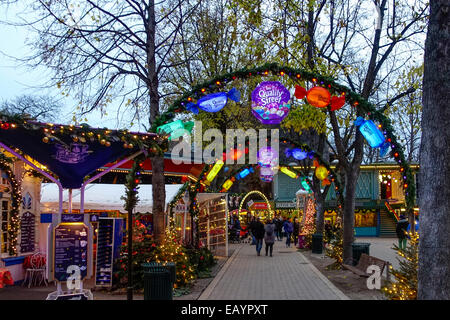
x: 270, y: 69
x: 262, y: 196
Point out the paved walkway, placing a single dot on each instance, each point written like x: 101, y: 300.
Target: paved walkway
x: 382, y: 249
x: 288, y: 275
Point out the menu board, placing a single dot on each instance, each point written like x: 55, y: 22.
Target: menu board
x: 70, y: 248
x: 109, y: 240
x: 27, y: 232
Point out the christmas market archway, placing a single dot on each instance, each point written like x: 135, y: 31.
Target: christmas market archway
x: 273, y: 69
x: 262, y: 196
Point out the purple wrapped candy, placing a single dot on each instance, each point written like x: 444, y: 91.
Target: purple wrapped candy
x: 267, y: 157
x: 270, y: 102
x: 266, y: 174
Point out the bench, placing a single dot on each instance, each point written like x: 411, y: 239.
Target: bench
x: 366, y: 261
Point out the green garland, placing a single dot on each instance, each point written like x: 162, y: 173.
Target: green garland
x: 16, y: 199
x: 270, y: 69
x: 52, y: 133
x: 132, y: 184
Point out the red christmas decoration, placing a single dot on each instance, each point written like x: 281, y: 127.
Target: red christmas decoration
x: 337, y: 102
x: 300, y: 92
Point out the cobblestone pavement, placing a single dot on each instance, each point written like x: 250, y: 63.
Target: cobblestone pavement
x: 288, y: 275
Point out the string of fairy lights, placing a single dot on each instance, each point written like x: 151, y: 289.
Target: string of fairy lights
x: 16, y: 199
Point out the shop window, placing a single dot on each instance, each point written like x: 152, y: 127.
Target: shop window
x: 4, y: 222
x: 365, y: 218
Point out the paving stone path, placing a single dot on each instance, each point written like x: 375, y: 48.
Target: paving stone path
x: 288, y: 275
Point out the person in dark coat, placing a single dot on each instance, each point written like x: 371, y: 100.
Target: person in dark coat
x: 269, y: 236
x: 251, y: 227
x: 259, y: 235
x: 402, y: 226
x: 278, y: 228
x: 288, y: 229
x: 296, y: 231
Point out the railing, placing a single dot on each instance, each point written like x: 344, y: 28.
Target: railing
x: 392, y: 211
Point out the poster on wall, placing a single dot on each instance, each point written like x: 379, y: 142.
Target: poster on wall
x: 70, y: 248
x: 27, y: 232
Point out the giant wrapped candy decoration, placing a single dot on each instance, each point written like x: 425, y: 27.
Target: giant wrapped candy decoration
x: 288, y: 172
x: 175, y: 129
x: 318, y: 97
x: 374, y: 137
x: 267, y: 160
x: 214, y: 102
x: 296, y: 153
x: 321, y: 172
x: 214, y: 171
x: 305, y: 184
x: 270, y: 102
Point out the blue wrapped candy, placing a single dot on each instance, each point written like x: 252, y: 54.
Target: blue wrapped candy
x: 374, y: 137
x: 244, y: 173
x: 214, y: 102
x: 296, y: 153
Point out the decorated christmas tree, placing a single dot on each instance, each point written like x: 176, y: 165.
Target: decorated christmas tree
x: 335, y: 249
x: 309, y: 226
x: 404, y: 285
x: 171, y: 250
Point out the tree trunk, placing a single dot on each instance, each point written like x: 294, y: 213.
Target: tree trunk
x: 158, y: 183
x: 434, y: 193
x: 351, y: 178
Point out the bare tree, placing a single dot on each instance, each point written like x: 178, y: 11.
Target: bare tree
x: 434, y: 193
x: 102, y: 52
x: 42, y: 108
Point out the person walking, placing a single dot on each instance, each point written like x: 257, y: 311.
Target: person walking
x: 259, y: 235
x: 251, y: 227
x: 296, y: 231
x: 401, y: 228
x: 278, y: 228
x: 269, y: 236
x: 288, y: 229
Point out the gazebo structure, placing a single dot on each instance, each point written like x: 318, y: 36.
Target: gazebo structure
x: 71, y: 155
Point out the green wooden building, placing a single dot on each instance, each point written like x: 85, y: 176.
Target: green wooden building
x: 379, y: 198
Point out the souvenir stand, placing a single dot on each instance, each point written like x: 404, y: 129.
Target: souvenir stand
x: 212, y: 222
x: 70, y: 158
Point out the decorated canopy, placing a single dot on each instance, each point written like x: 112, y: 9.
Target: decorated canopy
x: 71, y: 152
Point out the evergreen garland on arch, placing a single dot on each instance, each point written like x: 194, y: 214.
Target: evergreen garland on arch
x: 270, y: 69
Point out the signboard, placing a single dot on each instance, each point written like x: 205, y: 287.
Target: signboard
x: 70, y: 248
x: 72, y: 217
x: 109, y: 241
x: 285, y: 205
x: 258, y: 206
x: 27, y: 232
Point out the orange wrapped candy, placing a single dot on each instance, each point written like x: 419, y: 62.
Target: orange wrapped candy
x: 318, y: 97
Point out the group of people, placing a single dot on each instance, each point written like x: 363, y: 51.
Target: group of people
x: 271, y: 231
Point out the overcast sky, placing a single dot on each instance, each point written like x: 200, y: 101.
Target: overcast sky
x: 16, y: 80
